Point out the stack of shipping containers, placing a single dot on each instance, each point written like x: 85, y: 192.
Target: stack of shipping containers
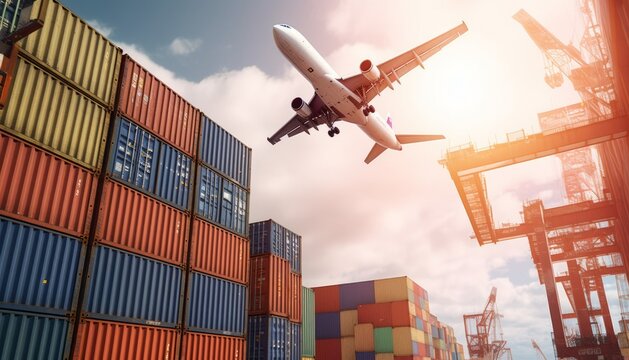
x: 219, y: 257
x: 307, y: 324
x: 53, y: 131
x: 275, y: 293
x: 379, y: 319
x: 122, y: 207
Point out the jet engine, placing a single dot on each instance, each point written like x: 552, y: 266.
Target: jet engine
x: 301, y: 108
x: 369, y: 71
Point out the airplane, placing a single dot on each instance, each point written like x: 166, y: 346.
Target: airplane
x: 348, y: 99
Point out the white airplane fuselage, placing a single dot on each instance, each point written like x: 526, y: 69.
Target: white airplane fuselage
x: 334, y: 94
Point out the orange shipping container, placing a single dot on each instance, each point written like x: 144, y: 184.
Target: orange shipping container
x: 111, y: 340
x: 363, y: 338
x: 327, y: 299
x: 136, y: 222
x: 218, y: 252
x: 44, y: 189
x: 269, y: 286
x: 198, y: 346
x: 149, y: 102
x: 348, y: 319
x: 294, y: 302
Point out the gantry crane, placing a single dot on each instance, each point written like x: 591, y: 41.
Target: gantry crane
x: 538, y: 351
x: 484, y: 333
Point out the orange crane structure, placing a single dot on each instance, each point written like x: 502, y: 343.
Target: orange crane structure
x: 589, y: 235
x: 484, y: 333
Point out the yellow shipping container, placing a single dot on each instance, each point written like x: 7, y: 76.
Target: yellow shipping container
x: 403, y: 338
x: 384, y: 356
x: 348, y: 351
x: 71, y: 47
x: 363, y: 338
x: 395, y: 289
x: 306, y: 358
x: 43, y: 109
x: 349, y: 318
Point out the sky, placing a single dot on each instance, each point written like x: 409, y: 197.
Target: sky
x: 401, y: 214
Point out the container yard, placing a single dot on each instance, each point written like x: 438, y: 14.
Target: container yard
x: 135, y: 174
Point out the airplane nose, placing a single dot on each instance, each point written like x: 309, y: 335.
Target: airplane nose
x: 277, y: 33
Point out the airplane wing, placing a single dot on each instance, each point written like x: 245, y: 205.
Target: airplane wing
x: 320, y: 116
x: 395, y: 68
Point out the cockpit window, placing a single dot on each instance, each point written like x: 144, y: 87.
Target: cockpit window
x: 286, y: 26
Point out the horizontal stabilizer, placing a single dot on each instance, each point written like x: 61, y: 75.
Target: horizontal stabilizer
x: 409, y: 139
x: 376, y: 150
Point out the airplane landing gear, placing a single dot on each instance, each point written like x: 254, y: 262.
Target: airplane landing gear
x: 334, y: 131
x: 368, y: 109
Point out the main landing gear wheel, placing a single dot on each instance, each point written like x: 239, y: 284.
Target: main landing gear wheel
x: 369, y: 109
x: 334, y: 131
x: 372, y: 109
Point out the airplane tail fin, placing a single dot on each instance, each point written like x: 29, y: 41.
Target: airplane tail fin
x: 376, y: 150
x: 409, y: 139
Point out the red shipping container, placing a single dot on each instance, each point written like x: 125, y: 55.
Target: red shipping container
x: 41, y: 188
x: 133, y: 221
x: 294, y: 302
x: 328, y: 349
x: 379, y: 315
x: 407, y: 357
x: 149, y: 102
x: 269, y: 286
x: 401, y: 314
x: 327, y: 299
x: 218, y: 252
x: 200, y: 346
x: 112, y: 340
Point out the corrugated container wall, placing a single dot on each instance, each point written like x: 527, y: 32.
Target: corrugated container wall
x: 173, y: 180
x: 308, y: 323
x: 269, y: 286
x: 71, y: 47
x: 131, y: 288
x: 136, y: 222
x: 106, y: 340
x: 224, y: 153
x: 44, y: 189
x: 294, y: 298
x: 32, y: 336
x: 149, y: 102
x: 294, y: 341
x: 268, y: 338
x: 218, y: 252
x: 216, y: 305
x: 198, y: 346
x: 39, y: 269
x: 269, y: 237
x: 47, y: 111
x: 221, y: 201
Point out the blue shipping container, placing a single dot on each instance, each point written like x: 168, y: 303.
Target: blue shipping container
x: 221, y: 201
x: 131, y: 288
x: 354, y: 294
x: 31, y: 336
x: 173, y: 182
x: 328, y: 325
x: 224, y: 153
x: 216, y: 305
x: 294, y: 341
x: 134, y: 156
x: 38, y: 268
x: 269, y: 237
x: 267, y: 338
x: 365, y: 356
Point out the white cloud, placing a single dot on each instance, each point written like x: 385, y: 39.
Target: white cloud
x: 183, y: 46
x: 103, y: 29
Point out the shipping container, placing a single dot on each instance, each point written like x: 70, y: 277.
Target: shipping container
x: 173, y: 179
x: 114, y: 340
x: 221, y: 201
x: 328, y: 325
x: 131, y: 288
x: 348, y: 351
x: 199, y: 346
x: 134, y: 155
x: 218, y: 252
x: 394, y: 289
x: 44, y: 110
x: 138, y: 223
x: 40, y: 268
x: 268, y: 338
x: 32, y: 336
x: 149, y: 102
x: 396, y: 313
x: 9, y: 19
x: 294, y: 341
x: 354, y: 294
x: 294, y: 298
x: 72, y: 48
x: 216, y: 305
x: 363, y: 338
x: 385, y: 356
x: 404, y: 341
x: 329, y: 349
x: 269, y: 289
x: 383, y: 339
x: 365, y: 355
x: 224, y: 153
x: 41, y: 188
x: 327, y: 298
x: 308, y: 323
x: 349, y: 319
x: 269, y: 237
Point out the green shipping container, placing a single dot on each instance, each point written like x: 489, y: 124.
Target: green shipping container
x: 43, y: 109
x: 383, y: 339
x: 71, y: 47
x: 307, y: 323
